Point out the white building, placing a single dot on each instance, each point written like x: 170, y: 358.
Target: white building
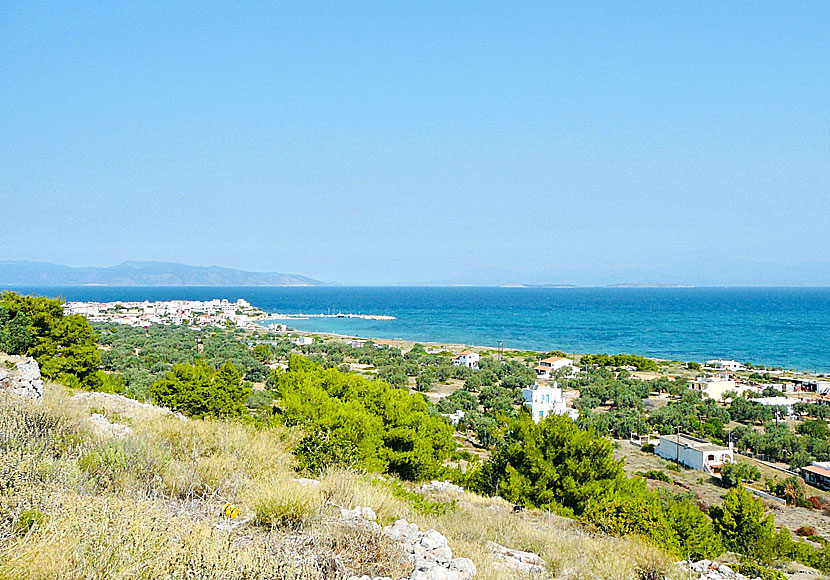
x: 550, y: 365
x: 695, y: 453
x: 467, y: 359
x: 454, y: 418
x: 729, y: 365
x: 715, y: 387
x: 546, y: 401
x: 303, y: 340
x: 785, y: 402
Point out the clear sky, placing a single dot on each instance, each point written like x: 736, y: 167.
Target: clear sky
x: 396, y: 142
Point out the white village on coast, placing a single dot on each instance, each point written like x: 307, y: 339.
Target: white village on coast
x: 193, y: 313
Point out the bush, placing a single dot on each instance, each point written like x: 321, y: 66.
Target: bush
x: 320, y: 451
x: 804, y: 531
x: 639, y: 514
x: 733, y: 474
x: 366, y: 424
x: 28, y: 519
x: 553, y: 464
x: 751, y: 570
x: 418, y: 501
x: 790, y: 489
x: 655, y: 474
x: 198, y: 391
x: 64, y: 346
x: 285, y: 506
x: 742, y: 525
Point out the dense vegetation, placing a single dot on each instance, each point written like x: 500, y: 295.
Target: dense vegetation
x: 64, y: 346
x: 199, y: 391
x: 557, y: 466
x: 351, y: 421
x: 137, y: 357
x: 637, y: 362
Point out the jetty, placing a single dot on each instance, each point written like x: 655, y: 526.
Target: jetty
x: 338, y: 315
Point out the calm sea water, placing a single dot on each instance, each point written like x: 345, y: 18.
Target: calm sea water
x: 773, y: 326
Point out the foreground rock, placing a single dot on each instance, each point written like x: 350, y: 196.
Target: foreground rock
x: 526, y: 562
x: 123, y: 406
x: 709, y: 570
x: 428, y: 551
x: 441, y: 487
x: 104, y: 428
x: 23, y: 379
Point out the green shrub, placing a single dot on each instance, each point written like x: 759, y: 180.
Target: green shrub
x: 742, y: 525
x: 362, y: 423
x: 28, y: 519
x: 655, y: 474
x: 320, y: 451
x: 418, y: 501
x: 733, y: 474
x: 198, y: 391
x: 552, y: 464
x: 752, y: 570
x: 64, y: 346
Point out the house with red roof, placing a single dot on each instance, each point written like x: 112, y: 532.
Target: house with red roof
x: 548, y: 366
x: 817, y: 474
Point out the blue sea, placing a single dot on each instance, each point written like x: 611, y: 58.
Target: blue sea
x: 789, y: 327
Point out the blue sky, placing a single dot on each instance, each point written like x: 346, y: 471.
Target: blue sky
x: 406, y: 142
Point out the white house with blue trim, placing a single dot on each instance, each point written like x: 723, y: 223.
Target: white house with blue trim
x: 546, y: 401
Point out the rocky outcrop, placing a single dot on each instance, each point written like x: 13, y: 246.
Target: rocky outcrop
x: 441, y: 487
x: 526, y: 562
x: 104, y: 428
x: 709, y: 570
x: 428, y: 551
x: 23, y: 379
x: 123, y: 406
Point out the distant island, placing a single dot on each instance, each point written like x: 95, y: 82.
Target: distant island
x: 24, y: 273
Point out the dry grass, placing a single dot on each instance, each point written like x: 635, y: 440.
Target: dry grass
x: 74, y: 505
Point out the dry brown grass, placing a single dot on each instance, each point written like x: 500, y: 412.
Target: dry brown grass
x: 147, y: 506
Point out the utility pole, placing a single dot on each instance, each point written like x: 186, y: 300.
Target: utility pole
x: 677, y: 447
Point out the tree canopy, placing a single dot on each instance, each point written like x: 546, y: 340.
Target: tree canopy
x: 552, y: 464
x: 199, y: 391
x: 370, y: 424
x: 64, y: 346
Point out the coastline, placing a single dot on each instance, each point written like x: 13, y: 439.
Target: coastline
x: 456, y: 348
x: 787, y: 328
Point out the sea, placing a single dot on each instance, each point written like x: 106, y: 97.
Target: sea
x: 788, y: 327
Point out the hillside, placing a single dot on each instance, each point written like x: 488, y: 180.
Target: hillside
x: 142, y: 274
x: 143, y: 500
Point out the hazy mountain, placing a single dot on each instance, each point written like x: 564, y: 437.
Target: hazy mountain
x: 695, y: 272
x: 142, y: 274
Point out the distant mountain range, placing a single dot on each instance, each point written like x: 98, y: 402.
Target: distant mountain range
x: 22, y: 273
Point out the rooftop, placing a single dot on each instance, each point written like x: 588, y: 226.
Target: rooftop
x: 692, y: 442
x: 817, y: 470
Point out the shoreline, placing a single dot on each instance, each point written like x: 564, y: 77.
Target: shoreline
x: 455, y: 348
